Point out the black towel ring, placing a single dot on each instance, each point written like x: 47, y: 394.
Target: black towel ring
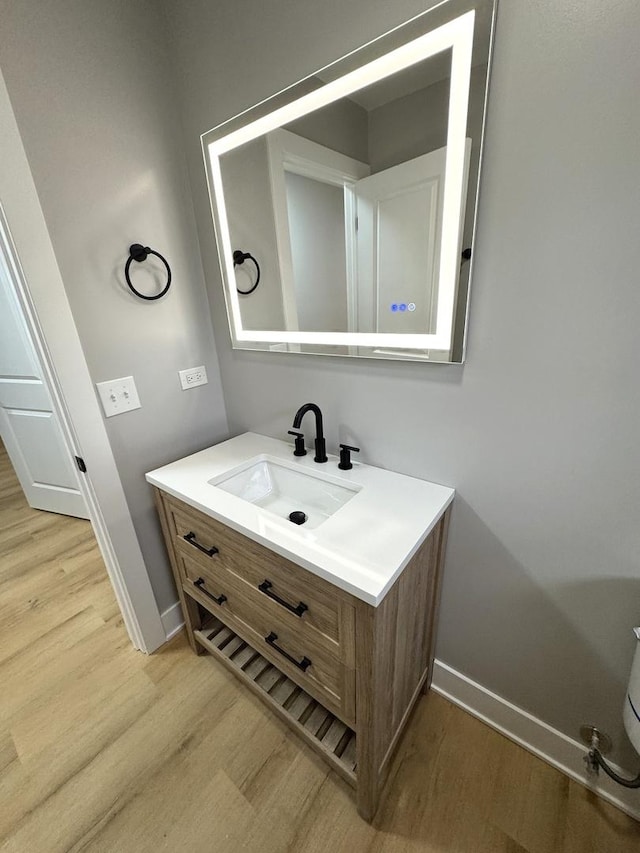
x: 239, y: 257
x: 140, y: 253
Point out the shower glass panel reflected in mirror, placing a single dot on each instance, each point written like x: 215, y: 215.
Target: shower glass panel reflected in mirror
x: 360, y: 209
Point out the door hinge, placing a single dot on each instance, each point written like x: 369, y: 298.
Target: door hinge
x: 80, y: 463
x: 357, y: 223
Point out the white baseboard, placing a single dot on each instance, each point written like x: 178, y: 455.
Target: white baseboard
x: 172, y: 620
x: 558, y: 750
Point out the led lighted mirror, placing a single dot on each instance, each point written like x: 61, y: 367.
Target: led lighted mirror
x: 354, y: 193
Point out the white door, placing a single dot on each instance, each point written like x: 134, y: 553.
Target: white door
x: 398, y: 245
x: 28, y: 425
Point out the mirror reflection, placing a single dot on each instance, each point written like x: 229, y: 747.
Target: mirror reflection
x: 343, y: 209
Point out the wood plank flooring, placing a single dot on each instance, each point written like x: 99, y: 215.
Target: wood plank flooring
x: 103, y: 749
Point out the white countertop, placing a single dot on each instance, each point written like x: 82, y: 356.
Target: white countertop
x: 362, y: 548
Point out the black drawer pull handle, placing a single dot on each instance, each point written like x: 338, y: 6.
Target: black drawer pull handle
x: 191, y: 539
x: 301, y: 664
x: 199, y: 584
x: 299, y: 609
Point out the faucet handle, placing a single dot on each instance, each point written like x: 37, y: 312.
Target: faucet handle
x: 300, y: 448
x: 345, y: 456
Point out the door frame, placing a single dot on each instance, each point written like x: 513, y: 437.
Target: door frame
x: 289, y: 152
x: 42, y: 297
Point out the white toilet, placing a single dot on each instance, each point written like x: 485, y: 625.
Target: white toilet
x: 631, y: 713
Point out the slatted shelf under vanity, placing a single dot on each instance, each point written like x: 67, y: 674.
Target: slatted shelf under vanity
x: 319, y: 727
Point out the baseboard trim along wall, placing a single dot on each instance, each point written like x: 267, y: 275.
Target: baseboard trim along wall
x: 558, y: 750
x: 172, y: 620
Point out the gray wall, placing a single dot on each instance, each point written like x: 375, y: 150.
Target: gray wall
x: 252, y: 228
x: 538, y: 431
x: 423, y: 117
x: 341, y: 126
x: 94, y: 101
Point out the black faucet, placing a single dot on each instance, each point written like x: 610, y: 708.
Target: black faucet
x: 321, y: 450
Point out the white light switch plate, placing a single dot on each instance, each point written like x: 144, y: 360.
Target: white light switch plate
x: 192, y: 377
x: 118, y: 396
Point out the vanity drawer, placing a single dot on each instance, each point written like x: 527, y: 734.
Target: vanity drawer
x: 303, y: 657
x: 283, y: 589
x: 211, y: 582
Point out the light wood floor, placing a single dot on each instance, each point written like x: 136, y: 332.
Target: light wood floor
x: 104, y: 749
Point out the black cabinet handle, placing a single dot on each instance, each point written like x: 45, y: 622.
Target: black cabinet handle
x: 299, y: 609
x: 191, y: 539
x: 199, y: 584
x: 301, y: 664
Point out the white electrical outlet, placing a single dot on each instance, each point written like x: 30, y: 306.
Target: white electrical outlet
x: 192, y: 377
x: 118, y: 396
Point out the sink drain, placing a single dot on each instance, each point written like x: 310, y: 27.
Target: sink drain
x: 297, y: 516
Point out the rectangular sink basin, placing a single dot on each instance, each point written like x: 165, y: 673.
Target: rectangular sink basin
x: 283, y: 488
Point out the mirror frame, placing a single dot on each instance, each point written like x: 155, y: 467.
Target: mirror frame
x: 455, y: 35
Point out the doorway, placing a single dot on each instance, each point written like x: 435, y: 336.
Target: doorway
x: 29, y: 425
x: 45, y: 307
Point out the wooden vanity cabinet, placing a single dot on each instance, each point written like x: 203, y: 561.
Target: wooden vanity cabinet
x: 343, y: 674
